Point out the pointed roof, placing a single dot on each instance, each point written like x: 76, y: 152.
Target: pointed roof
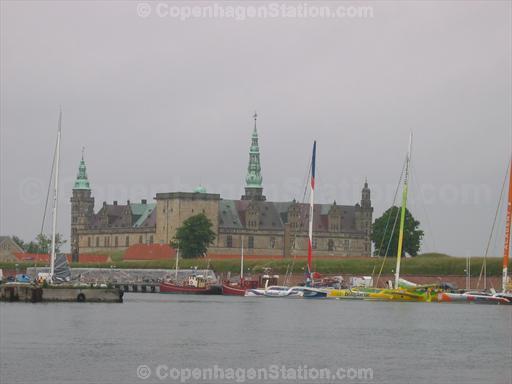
x: 253, y: 178
x: 81, y: 181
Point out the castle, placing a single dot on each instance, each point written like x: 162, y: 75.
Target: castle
x: 265, y: 228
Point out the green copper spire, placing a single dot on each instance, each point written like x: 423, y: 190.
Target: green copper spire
x: 254, y: 179
x: 81, y: 181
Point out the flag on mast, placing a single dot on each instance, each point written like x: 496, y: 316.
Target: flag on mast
x: 311, y: 208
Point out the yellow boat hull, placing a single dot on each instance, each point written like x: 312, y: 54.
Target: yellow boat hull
x: 384, y: 294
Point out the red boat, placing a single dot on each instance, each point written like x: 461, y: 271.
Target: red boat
x: 195, y: 285
x: 238, y: 289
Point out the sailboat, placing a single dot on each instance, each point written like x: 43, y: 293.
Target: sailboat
x: 398, y: 291
x: 505, y: 296
x: 239, y: 289
x: 506, y: 286
x: 307, y: 291
x: 59, y: 268
x: 195, y: 284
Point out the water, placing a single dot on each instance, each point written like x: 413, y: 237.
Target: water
x: 400, y: 342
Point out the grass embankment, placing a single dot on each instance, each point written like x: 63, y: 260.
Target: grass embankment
x: 427, y: 264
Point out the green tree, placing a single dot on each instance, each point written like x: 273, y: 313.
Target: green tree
x: 43, y: 244
x: 412, y: 233
x: 194, y: 236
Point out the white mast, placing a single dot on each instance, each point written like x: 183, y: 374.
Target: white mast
x: 176, y: 271
x: 242, y: 260
x: 402, y: 216
x: 55, y: 198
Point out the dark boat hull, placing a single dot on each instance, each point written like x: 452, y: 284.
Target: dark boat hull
x: 172, y: 288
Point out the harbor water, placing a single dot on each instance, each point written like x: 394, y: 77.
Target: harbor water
x: 157, y: 338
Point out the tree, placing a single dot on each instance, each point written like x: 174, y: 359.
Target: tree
x: 412, y: 233
x: 43, y: 244
x: 194, y: 236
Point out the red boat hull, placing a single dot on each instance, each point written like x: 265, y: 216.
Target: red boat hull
x: 172, y: 288
x: 233, y: 290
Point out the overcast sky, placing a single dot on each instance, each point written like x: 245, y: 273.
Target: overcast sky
x: 163, y: 105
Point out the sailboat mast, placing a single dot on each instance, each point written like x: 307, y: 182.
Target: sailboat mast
x: 176, y: 268
x: 402, y: 213
x: 55, y: 199
x: 311, y: 209
x: 242, y: 260
x: 506, y: 250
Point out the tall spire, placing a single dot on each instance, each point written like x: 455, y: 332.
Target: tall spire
x: 365, y: 195
x: 81, y: 181
x: 254, y: 180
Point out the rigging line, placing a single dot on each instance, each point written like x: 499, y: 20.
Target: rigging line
x: 429, y: 223
x: 49, y: 188
x: 484, y: 264
x: 389, y: 244
x: 387, y: 225
x: 301, y: 216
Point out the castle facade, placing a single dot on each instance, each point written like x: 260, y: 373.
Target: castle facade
x: 265, y: 228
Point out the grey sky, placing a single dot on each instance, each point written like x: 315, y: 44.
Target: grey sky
x: 162, y: 104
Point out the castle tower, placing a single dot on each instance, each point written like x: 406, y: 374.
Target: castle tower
x: 253, y: 180
x: 82, y: 207
x: 366, y: 217
x: 365, y: 196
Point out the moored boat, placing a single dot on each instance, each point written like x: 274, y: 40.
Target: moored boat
x: 238, y: 289
x: 471, y: 297
x: 195, y: 285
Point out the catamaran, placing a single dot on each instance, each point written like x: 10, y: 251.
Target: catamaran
x: 307, y: 291
x: 398, y: 291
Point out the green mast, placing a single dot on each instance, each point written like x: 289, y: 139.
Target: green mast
x: 254, y: 180
x: 402, y: 213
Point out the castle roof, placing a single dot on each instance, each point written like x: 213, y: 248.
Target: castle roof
x: 130, y: 215
x: 274, y: 215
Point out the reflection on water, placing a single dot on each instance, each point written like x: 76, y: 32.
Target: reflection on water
x: 401, y: 342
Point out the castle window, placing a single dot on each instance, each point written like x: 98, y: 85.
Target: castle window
x: 105, y: 241
x: 115, y: 241
x: 127, y: 241
x: 89, y: 241
x: 330, y: 245
x: 314, y: 243
x: 229, y: 241
x: 151, y: 239
x: 272, y: 242
x: 97, y: 241
x: 347, y: 244
x: 251, y: 242
x: 140, y: 239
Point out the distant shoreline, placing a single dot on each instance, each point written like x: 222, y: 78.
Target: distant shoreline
x: 423, y: 265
